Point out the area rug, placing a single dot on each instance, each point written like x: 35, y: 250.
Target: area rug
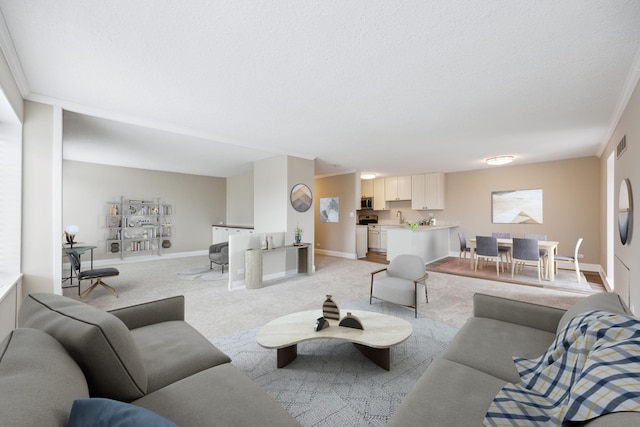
x: 201, y: 273
x: 565, y: 279
x: 330, y: 383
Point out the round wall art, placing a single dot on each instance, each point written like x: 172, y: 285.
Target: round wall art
x: 625, y: 211
x: 301, y: 197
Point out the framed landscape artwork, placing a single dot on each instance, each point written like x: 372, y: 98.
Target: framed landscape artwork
x: 516, y: 207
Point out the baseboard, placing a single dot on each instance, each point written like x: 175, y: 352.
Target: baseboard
x: 139, y: 258
x: 346, y: 255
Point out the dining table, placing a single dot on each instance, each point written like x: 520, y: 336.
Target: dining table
x: 550, y: 245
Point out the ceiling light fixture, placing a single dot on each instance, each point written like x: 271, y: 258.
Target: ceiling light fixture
x: 367, y: 175
x: 500, y: 160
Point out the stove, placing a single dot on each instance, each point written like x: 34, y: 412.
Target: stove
x: 367, y: 219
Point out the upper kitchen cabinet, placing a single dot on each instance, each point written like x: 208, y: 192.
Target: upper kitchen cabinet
x: 379, y: 202
x: 427, y: 191
x: 366, y: 188
x: 397, y: 188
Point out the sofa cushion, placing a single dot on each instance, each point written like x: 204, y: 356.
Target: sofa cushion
x: 174, y: 350
x: 604, y: 301
x: 38, y: 380
x: 447, y: 394
x: 489, y: 346
x: 98, y: 341
x: 223, y: 396
x: 100, y: 412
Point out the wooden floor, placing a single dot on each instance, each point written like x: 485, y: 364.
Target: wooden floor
x: 593, y: 278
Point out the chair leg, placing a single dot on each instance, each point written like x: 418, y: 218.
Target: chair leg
x: 101, y: 283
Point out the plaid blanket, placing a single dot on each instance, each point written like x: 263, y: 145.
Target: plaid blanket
x: 591, y: 369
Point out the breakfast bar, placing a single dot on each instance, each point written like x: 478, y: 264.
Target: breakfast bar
x: 429, y: 242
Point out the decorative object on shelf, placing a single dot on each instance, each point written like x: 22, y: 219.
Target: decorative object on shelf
x: 270, y: 244
x: 321, y: 323
x: 166, y: 244
x: 625, y: 211
x: 298, y: 236
x: 301, y: 198
x: 330, y: 309
x: 70, y: 234
x: 115, y: 247
x: 351, y: 321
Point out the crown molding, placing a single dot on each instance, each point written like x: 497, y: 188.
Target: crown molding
x: 625, y: 95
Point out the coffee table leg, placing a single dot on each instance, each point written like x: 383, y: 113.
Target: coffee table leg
x: 287, y: 355
x: 379, y: 356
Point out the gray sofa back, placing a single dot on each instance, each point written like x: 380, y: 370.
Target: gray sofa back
x: 604, y: 301
x: 98, y: 341
x: 38, y: 380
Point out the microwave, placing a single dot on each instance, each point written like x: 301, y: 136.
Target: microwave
x: 366, y: 203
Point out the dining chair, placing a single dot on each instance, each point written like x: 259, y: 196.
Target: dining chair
x: 526, y: 251
x: 487, y: 250
x: 504, y: 250
x: 463, y: 247
x: 543, y: 252
x: 573, y: 259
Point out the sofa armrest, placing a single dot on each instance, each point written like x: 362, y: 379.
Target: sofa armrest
x: 149, y: 313
x: 517, y: 312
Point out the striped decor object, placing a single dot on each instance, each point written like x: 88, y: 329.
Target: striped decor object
x: 330, y: 309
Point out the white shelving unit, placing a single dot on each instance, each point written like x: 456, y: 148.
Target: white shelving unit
x: 137, y: 226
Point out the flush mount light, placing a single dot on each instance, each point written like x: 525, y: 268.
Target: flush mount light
x: 500, y: 160
x: 367, y: 175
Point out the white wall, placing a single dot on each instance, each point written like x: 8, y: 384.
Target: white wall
x: 625, y: 167
x: 41, y: 198
x: 240, y: 206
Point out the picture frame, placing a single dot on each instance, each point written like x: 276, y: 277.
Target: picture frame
x: 517, y: 206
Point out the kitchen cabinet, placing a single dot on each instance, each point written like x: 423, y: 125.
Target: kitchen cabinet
x: 221, y: 233
x: 374, y: 238
x: 397, y: 188
x: 383, y: 239
x: 379, y: 201
x: 427, y: 191
x: 366, y: 188
x: 361, y: 241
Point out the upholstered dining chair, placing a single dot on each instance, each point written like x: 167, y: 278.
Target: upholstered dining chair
x: 543, y: 252
x: 526, y: 251
x: 487, y: 250
x: 463, y: 247
x: 96, y: 274
x: 403, y: 284
x: 573, y: 259
x: 504, y: 251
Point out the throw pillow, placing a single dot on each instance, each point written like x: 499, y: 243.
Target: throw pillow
x: 100, y: 412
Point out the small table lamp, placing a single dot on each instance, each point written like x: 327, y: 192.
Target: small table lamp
x: 70, y: 234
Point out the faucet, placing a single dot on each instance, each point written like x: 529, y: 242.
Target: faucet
x: 399, y: 215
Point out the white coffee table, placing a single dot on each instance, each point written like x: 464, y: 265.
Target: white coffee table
x: 380, y: 333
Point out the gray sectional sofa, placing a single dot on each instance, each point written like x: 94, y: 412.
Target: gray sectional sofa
x: 146, y: 356
x: 458, y: 387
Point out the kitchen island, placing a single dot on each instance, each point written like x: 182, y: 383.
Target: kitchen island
x: 430, y: 242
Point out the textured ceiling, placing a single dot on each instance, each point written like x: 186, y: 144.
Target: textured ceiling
x: 394, y: 87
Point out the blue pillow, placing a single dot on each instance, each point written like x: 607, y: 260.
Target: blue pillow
x: 99, y: 412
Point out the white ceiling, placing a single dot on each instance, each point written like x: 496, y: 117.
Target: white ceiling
x: 389, y: 86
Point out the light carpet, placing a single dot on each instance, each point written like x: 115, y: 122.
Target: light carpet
x: 564, y: 279
x: 202, y: 273
x: 331, y: 383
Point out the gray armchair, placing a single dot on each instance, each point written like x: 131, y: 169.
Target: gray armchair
x: 403, y: 284
x: 219, y: 254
